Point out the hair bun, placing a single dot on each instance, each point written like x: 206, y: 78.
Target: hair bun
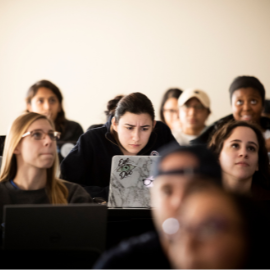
x: 112, y: 104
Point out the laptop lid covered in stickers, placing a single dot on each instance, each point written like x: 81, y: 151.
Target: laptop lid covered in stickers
x: 131, y: 181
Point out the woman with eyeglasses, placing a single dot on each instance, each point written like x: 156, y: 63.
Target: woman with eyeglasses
x: 194, y: 109
x: 169, y: 107
x: 30, y: 161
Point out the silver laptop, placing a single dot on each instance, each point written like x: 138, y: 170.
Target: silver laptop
x: 130, y: 181
x: 73, y: 226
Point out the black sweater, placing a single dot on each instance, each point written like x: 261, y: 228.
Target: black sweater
x: 89, y: 162
x: 205, y: 137
x: 141, y: 252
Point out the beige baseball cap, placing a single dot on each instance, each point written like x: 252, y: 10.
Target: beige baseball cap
x: 194, y: 93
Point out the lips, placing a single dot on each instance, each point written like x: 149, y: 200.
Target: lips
x: 246, y: 117
x: 242, y: 163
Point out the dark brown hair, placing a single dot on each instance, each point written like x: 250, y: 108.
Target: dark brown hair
x: 32, y: 91
x: 136, y: 103
x: 217, y: 142
x: 170, y: 93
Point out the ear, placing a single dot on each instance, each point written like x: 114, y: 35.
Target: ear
x: 257, y: 168
x: 17, y: 150
x: 114, y: 124
x: 154, y: 123
x: 29, y: 107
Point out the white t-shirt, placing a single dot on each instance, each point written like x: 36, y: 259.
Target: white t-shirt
x: 184, y: 139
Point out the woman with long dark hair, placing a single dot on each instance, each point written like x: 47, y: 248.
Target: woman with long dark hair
x: 131, y: 129
x: 45, y: 98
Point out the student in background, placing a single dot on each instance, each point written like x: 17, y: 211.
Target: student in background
x: 29, y: 166
x: 247, y: 96
x: 217, y: 230
x: 194, y: 109
x: 169, y: 107
x: 45, y: 98
x: 241, y: 152
x: 131, y: 130
x: 177, y: 167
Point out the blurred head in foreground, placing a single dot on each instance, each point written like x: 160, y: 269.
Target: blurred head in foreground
x: 215, y: 229
x: 178, y: 166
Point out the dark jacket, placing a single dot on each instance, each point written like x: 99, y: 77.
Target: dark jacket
x: 72, y: 131
x: 89, y: 162
x: 141, y: 252
x: 204, y: 138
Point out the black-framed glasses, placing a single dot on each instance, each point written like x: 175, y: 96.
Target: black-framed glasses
x: 39, y: 134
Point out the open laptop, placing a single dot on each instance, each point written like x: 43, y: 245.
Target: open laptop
x: 130, y: 181
x: 62, y: 227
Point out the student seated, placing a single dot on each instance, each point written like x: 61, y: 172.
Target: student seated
x: 176, y: 168
x: 247, y: 96
x: 29, y: 166
x: 45, y: 98
x: 169, y: 107
x: 130, y: 130
x: 217, y: 230
x: 241, y: 152
x: 194, y: 109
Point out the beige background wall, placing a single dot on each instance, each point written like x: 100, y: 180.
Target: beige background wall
x: 95, y: 49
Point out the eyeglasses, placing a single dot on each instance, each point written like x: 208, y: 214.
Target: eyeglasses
x: 205, y: 231
x: 39, y: 134
x: 196, y: 107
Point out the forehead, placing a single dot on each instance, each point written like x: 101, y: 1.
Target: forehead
x: 136, y: 119
x: 247, y: 92
x: 40, y: 124
x: 243, y: 134
x: 45, y: 93
x: 171, y: 102
x: 179, y: 161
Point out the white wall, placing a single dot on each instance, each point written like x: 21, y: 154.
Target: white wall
x: 95, y: 49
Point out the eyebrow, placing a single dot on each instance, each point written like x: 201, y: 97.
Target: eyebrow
x: 248, y: 142
x: 135, y: 126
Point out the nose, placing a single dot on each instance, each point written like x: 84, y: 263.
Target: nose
x: 191, y: 111
x: 246, y: 106
x: 46, y: 105
x: 243, y: 152
x: 176, y: 201
x: 136, y: 135
x: 47, y: 140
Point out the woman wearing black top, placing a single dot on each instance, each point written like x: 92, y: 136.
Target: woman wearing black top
x: 247, y: 95
x: 45, y: 98
x: 130, y: 130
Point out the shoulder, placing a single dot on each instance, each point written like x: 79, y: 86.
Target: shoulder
x: 76, y: 193
x: 72, y: 125
x: 125, y: 255
x: 204, y: 137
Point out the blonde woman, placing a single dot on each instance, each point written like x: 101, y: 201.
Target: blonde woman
x: 29, y: 166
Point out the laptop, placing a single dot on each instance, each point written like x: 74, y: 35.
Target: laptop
x: 55, y: 227
x: 131, y: 181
